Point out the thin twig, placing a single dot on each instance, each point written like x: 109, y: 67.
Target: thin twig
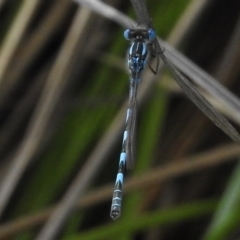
x: 22, y: 108
x: 33, y: 46
x: 52, y: 91
x: 16, y: 34
x: 228, y: 67
x: 62, y: 211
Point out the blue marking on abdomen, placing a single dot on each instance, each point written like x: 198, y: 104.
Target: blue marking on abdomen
x: 119, y: 177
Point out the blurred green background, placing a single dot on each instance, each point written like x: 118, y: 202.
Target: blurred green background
x: 60, y: 90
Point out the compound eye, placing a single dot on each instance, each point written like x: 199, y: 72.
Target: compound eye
x: 151, y: 34
x: 126, y: 34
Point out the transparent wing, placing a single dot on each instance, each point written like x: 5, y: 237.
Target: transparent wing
x: 131, y: 125
x: 200, y: 101
x: 131, y: 140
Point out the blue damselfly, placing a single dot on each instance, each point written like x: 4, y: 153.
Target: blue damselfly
x: 145, y: 44
x: 138, y: 54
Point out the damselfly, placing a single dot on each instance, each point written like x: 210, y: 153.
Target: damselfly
x: 138, y: 54
x: 145, y: 43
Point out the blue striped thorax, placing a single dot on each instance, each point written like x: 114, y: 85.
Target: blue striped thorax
x: 138, y: 51
x: 137, y: 55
